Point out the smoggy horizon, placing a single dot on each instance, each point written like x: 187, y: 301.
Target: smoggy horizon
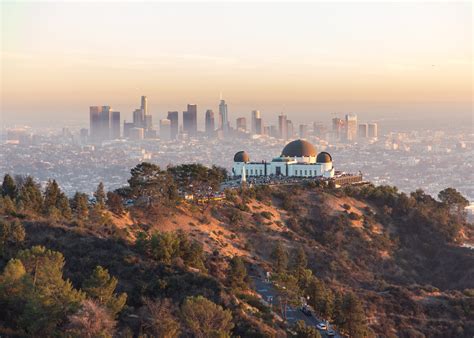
x: 395, y: 61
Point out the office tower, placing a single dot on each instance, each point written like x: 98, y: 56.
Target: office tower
x: 351, y: 127
x: 94, y: 119
x: 258, y: 126
x: 83, y: 135
x: 100, y: 122
x: 282, y: 127
x: 136, y: 134
x: 165, y: 129
x: 273, y: 131
x: 174, y: 125
x: 372, y: 130
x: 224, y: 116
x: 289, y: 129
x: 303, y: 132
x: 253, y: 122
x: 190, y: 120
x: 126, y: 128
x: 209, y: 125
x: 241, y: 124
x: 144, y: 105
x: 266, y: 130
x: 138, y: 118
x: 319, y: 130
x: 363, y: 130
x: 148, y: 122
x: 337, y: 127
x: 115, y: 125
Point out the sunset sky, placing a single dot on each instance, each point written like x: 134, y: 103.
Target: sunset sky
x: 305, y: 59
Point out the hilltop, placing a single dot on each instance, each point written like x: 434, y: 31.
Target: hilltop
x: 375, y: 261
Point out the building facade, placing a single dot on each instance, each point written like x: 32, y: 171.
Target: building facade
x: 298, y: 159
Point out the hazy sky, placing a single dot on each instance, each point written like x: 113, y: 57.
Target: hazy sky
x: 390, y: 60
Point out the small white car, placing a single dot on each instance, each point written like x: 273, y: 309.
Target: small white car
x: 322, y: 326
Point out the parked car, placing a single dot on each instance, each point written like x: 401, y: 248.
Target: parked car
x: 331, y: 333
x: 322, y: 326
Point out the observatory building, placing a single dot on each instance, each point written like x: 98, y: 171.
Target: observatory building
x: 298, y: 159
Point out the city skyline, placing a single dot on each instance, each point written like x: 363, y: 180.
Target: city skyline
x: 379, y: 60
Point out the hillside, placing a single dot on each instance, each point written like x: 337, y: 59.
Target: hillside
x: 397, y: 255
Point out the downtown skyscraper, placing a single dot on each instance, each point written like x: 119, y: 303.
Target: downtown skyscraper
x: 209, y: 123
x: 103, y: 123
x: 224, y: 116
x: 190, y: 120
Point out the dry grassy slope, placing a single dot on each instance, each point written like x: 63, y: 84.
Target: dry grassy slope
x: 209, y: 225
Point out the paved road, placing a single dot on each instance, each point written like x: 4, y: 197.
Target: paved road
x: 270, y: 294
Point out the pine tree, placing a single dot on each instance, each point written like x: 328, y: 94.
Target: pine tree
x: 100, y: 196
x: 64, y: 207
x: 80, y: 206
x: 9, y: 187
x: 7, y: 206
x: 30, y: 196
x: 237, y: 273
x: 354, y: 316
x: 51, y: 196
x: 280, y: 258
x: 101, y: 287
x: 204, y: 318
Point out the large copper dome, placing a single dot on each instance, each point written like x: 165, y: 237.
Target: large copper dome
x: 241, y: 156
x: 324, y: 157
x: 299, y: 148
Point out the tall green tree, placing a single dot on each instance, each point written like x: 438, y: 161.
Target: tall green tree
x: 9, y: 187
x: 204, y: 318
x: 43, y: 298
x: 453, y: 199
x: 353, y: 316
x: 280, y: 258
x: 321, y: 298
x: 152, y: 186
x: 30, y: 196
x: 80, y: 205
x: 236, y: 277
x: 100, y: 196
x: 101, y: 287
x: 115, y: 203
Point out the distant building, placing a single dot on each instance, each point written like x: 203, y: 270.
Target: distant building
x: 165, y: 130
x: 224, y: 115
x: 190, y: 120
x: 298, y: 159
x: 372, y: 130
x: 337, y: 127
x: 138, y: 118
x: 253, y: 121
x: 273, y: 131
x: 209, y: 123
x: 174, y: 124
x: 115, y: 127
x: 144, y: 105
x: 290, y: 132
x: 126, y: 128
x: 282, y: 127
x: 136, y: 134
x: 241, y: 124
x: 258, y: 126
x: 319, y: 130
x: 100, y: 119
x: 303, y: 131
x: 350, y: 127
x: 363, y: 130
x: 84, y: 135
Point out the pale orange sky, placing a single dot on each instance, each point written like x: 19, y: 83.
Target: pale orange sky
x: 305, y: 59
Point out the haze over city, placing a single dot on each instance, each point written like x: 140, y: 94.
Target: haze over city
x: 393, y: 62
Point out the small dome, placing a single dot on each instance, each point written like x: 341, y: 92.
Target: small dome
x: 299, y: 148
x: 241, y: 156
x: 324, y: 157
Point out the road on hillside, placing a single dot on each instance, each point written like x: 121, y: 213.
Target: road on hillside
x: 270, y: 294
